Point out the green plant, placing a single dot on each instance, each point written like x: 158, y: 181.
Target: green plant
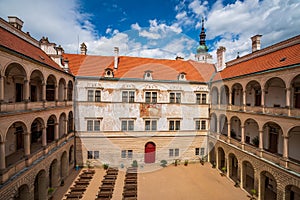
x: 253, y: 192
x: 105, y: 166
x: 223, y: 169
x: 134, y: 163
x: 176, y: 162
x: 255, y: 141
x: 50, y: 190
x: 186, y: 162
x: 163, y: 163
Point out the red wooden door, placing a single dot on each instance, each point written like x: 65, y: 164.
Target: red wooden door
x: 150, y: 152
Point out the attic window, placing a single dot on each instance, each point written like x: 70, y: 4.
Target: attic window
x: 282, y: 59
x: 181, y: 76
x: 109, y: 73
x: 148, y: 75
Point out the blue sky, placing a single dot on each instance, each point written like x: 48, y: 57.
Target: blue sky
x: 156, y: 28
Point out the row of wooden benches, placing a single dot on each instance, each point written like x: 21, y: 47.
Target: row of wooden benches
x: 77, y: 190
x: 130, y: 184
x: 108, y: 183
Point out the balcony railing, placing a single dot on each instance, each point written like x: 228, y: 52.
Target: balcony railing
x: 276, y: 111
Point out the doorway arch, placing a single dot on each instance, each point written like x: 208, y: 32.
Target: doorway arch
x: 150, y: 149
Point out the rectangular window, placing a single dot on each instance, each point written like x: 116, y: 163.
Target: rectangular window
x: 197, y: 125
x: 128, y: 96
x: 90, y: 95
x: 197, y: 151
x: 129, y: 153
x: 131, y: 96
x: 176, y: 152
x: 90, y: 155
x: 123, y: 154
x: 175, y: 97
x: 124, y: 96
x: 171, y: 152
x: 203, y: 124
x: 96, y: 154
x: 97, y: 125
x: 174, y: 125
x: 151, y: 97
x: 97, y: 95
x: 150, y: 125
x: 202, y: 151
x: 89, y: 125
x: 127, y: 125
x: 201, y: 98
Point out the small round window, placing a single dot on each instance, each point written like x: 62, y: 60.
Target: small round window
x: 148, y: 74
x: 182, y: 76
x: 108, y: 73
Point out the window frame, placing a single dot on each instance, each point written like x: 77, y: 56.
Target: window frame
x: 151, y: 97
x: 128, y: 123
x: 90, y: 95
x: 175, y: 97
x: 174, y: 124
x: 201, y: 98
x: 151, y: 124
x: 97, y: 95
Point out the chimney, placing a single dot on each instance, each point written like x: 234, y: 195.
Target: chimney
x: 15, y: 22
x: 221, y: 58
x: 116, y: 50
x: 66, y: 65
x: 83, y: 49
x: 255, y: 43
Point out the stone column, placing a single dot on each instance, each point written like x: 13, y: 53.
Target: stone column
x: 27, y: 143
x: 1, y: 88
x: 228, y: 132
x: 230, y: 100
x: 66, y: 127
x: 288, y: 100
x: 44, y: 136
x: 65, y: 93
x: 261, y: 141
x: 56, y: 93
x: 56, y: 132
x: 44, y: 91
x: 244, y: 100
x: 26, y: 90
x: 285, y: 147
x: 263, y: 99
x: 243, y: 136
x: 2, y: 153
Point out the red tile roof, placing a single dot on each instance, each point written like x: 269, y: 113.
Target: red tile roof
x: 13, y: 42
x: 135, y: 67
x: 286, y: 56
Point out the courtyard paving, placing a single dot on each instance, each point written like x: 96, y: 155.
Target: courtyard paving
x: 192, y: 182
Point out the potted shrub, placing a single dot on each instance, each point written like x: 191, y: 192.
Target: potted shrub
x: 253, y: 193
x: 186, y: 162
x: 223, y: 171
x: 176, y: 162
x: 105, y: 166
x: 202, y: 161
x: 134, y: 163
x: 163, y: 163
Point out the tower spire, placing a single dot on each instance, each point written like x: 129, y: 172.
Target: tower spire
x: 202, y: 34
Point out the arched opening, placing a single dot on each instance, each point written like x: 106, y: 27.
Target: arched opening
x: 235, y: 128
x: 54, y: 174
x: 251, y: 132
x: 214, y: 96
x: 292, y: 192
x: 50, y: 88
x: 62, y: 125
x: 233, y: 167
x: 14, y: 145
x: 212, y: 154
x: 64, y: 166
x: 70, y: 91
x: 273, y: 140
x: 61, y: 89
x: 221, y: 158
x: 223, y: 125
x: 71, y: 155
x: 268, y: 186
x: 36, y: 88
x: 293, y: 144
x: 275, y: 93
x: 248, y: 176
x: 23, y: 193
x: 253, y: 94
x: 213, y: 123
x: 70, y: 122
x: 40, y: 186
x: 295, y: 92
x: 237, y: 95
x: 14, y: 85
x: 224, y: 95
x: 150, y: 149
x: 51, y: 128
x: 36, y: 134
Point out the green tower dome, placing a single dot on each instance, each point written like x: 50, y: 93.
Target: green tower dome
x: 202, y: 49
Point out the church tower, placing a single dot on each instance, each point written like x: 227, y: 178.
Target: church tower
x: 202, y: 54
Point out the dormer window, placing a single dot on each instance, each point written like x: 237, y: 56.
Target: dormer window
x: 148, y: 75
x: 181, y: 76
x: 109, y: 73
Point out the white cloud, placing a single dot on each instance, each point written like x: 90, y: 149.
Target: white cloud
x: 108, y: 30
x: 198, y: 8
x: 136, y: 26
